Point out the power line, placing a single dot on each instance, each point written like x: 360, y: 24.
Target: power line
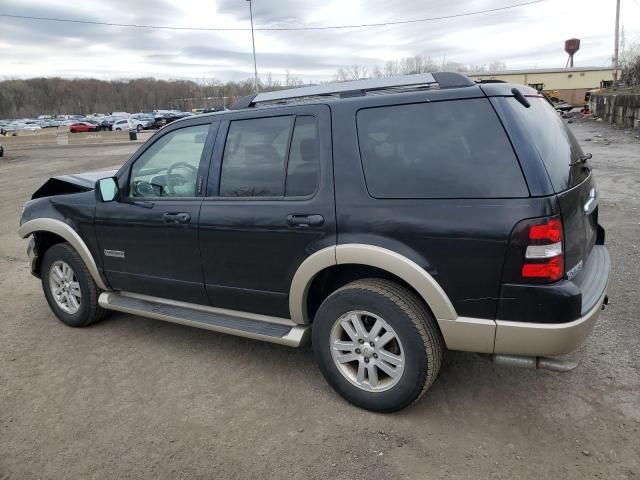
x: 271, y: 29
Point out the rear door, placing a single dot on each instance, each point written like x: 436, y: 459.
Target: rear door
x: 269, y: 205
x: 569, y: 172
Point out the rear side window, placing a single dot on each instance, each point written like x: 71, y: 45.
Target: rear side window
x: 555, y: 143
x: 302, y: 168
x: 452, y: 149
x: 270, y: 157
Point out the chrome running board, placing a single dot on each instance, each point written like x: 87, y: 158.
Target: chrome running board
x: 243, y: 324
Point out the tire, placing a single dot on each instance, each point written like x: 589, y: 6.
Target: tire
x: 416, y: 340
x: 118, y: 129
x: 88, y: 311
x: 139, y: 128
x: 72, y: 131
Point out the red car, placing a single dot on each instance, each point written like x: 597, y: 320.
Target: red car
x: 82, y: 127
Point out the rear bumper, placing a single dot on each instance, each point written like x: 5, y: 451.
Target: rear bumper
x: 537, y: 339
x: 561, y: 318
x: 542, y: 339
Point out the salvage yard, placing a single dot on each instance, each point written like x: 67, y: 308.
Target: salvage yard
x: 137, y: 398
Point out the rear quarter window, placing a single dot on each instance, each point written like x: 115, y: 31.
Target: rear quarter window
x: 452, y: 149
x: 555, y: 143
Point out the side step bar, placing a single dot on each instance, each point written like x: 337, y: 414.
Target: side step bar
x: 259, y: 327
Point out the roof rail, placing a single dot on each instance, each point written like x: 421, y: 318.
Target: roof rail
x: 357, y: 87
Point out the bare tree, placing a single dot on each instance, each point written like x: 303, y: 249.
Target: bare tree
x: 391, y: 68
x: 497, y: 66
x: 630, y: 63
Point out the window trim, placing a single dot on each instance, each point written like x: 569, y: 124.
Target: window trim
x: 203, y: 167
x: 224, y: 131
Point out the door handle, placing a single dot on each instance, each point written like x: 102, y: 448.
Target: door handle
x: 182, y: 217
x: 305, y: 220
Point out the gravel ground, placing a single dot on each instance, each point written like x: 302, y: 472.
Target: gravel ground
x: 138, y: 398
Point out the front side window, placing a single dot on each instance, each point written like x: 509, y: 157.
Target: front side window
x: 169, y: 167
x: 264, y: 157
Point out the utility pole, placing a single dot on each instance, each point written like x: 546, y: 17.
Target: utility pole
x: 253, y: 42
x: 615, y: 50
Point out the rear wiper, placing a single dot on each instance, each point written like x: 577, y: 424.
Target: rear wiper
x: 581, y: 159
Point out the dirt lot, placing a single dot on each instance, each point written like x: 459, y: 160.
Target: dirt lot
x: 138, y: 398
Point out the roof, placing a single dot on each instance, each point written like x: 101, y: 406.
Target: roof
x: 355, y: 88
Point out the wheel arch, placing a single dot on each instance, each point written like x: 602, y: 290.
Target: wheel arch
x: 50, y: 226
x: 375, y: 257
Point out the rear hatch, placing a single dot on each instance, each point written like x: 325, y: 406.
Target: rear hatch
x: 569, y: 171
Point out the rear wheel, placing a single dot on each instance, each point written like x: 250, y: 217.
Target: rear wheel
x: 377, y: 345
x: 69, y: 288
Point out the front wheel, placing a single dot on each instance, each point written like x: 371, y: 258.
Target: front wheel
x: 377, y: 344
x: 139, y: 128
x: 69, y: 288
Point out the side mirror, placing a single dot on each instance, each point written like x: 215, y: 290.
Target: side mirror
x: 107, y: 189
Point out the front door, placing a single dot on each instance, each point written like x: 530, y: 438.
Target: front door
x: 149, y: 238
x: 269, y: 205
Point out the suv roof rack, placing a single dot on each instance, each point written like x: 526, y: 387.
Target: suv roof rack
x: 356, y: 88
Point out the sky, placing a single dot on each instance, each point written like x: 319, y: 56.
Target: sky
x: 530, y: 36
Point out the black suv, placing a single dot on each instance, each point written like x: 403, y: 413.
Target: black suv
x: 388, y: 219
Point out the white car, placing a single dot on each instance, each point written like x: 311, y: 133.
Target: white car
x: 19, y: 126
x: 122, y: 125
x: 130, y: 124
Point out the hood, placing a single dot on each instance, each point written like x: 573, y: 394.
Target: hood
x: 74, y: 183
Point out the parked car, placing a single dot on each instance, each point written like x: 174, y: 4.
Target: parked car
x: 82, y: 127
x: 21, y: 126
x: 93, y: 122
x: 107, y: 123
x: 58, y: 122
x: 142, y: 121
x: 432, y: 214
x: 123, y: 124
x: 159, y: 121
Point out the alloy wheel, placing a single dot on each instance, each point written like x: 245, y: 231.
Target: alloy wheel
x: 367, y: 351
x: 65, y: 287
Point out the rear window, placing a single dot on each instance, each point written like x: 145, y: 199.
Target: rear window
x: 555, y: 143
x: 452, y: 149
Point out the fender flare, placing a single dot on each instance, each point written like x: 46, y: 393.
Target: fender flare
x: 70, y: 235
x: 373, y: 256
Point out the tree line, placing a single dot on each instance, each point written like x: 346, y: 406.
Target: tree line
x: 413, y: 65
x: 61, y: 96
x: 56, y: 96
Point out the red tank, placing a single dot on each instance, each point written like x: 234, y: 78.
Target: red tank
x: 572, y: 45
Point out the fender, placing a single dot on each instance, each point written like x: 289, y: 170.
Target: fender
x: 70, y: 235
x: 373, y: 256
x: 459, y: 333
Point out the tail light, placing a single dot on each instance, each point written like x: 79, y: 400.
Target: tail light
x: 535, y: 252
x: 543, y: 257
